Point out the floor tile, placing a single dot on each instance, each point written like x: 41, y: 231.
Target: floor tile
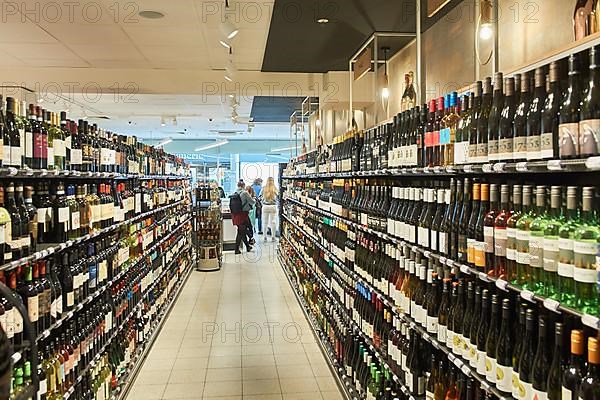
x: 258, y: 360
x: 146, y: 392
x: 187, y: 375
x: 225, y: 361
x: 223, y: 374
x: 226, y: 388
x: 260, y: 372
x: 262, y: 386
x: 236, y: 332
x: 298, y: 385
x: 183, y: 391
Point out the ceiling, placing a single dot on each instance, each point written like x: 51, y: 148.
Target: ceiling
x: 46, y: 44
x: 111, y: 34
x: 312, y: 47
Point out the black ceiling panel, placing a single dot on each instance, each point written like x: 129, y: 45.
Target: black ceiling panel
x: 297, y: 43
x: 274, y: 108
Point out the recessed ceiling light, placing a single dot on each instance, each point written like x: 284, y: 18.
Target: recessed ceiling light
x: 323, y: 20
x: 149, y: 14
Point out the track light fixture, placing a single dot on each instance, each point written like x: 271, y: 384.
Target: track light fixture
x: 228, y: 29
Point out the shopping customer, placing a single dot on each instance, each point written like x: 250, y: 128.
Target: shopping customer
x: 240, y: 203
x: 269, y: 207
x: 251, y: 215
x: 257, y: 186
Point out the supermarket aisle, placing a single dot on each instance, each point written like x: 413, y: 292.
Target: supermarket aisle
x: 238, y: 333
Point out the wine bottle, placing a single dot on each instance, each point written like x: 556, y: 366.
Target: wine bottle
x: 590, y: 386
x: 541, y: 361
x: 482, y: 122
x: 551, y: 240
x: 569, y: 115
x: 527, y: 356
x: 534, y: 116
x: 566, y: 243
x: 505, y: 133
x: 549, y: 124
x: 576, y: 369
x: 504, y: 348
x: 536, y: 242
x: 520, y: 121
x: 494, y: 118
x: 558, y: 364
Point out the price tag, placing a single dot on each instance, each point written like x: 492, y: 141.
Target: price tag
x: 427, y: 254
x: 437, y: 169
x: 415, y: 248
x: 465, y: 269
x: 451, y: 357
x: 426, y: 170
x: 552, y: 305
x: 483, y: 276
x: 590, y: 321
x: 554, y: 165
x: 12, y: 171
x: 450, y: 169
x: 593, y: 163
x: 449, y: 262
x: 502, y: 284
x: 499, y: 167
x: 43, y: 172
x: 521, y: 166
x: 527, y: 295
x: 487, y: 168
x: 468, y: 168
x: 466, y: 370
x: 442, y: 260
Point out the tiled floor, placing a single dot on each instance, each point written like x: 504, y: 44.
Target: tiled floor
x: 237, y: 333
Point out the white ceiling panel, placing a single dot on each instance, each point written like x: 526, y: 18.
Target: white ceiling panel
x: 177, y: 35
x: 48, y: 51
x: 24, y: 32
x: 87, y: 34
x: 62, y: 12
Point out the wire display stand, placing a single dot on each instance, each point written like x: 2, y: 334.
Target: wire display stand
x: 207, y: 237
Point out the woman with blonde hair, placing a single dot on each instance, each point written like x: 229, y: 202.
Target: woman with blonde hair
x: 268, y: 198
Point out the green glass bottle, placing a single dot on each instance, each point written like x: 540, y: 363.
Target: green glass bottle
x: 536, y: 242
x: 584, y: 254
x: 511, y: 235
x: 550, y: 261
x: 566, y: 240
x: 523, y: 233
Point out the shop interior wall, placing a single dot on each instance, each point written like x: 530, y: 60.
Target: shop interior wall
x: 527, y: 29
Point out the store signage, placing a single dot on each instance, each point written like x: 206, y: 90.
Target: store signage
x: 433, y: 6
x: 190, y: 156
x: 362, y: 65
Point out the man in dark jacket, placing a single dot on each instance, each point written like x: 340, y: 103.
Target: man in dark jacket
x: 240, y: 219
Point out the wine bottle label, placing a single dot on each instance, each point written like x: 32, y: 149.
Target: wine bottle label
x: 412, y: 234
x: 76, y: 157
x: 515, y: 384
x: 493, y: 146
x: 29, y: 144
x: 568, y: 140
x: 70, y: 299
x: 470, y: 250
x: 63, y: 214
x: 546, y: 145
x: 472, y: 155
x: 6, y: 155
x: 499, y: 248
x: 551, y: 252
x: 442, y: 331
x: 525, y: 390
x: 423, y: 236
x: 589, y: 137
x: 490, y: 369
x: 504, y: 378
x: 60, y: 149
x: 585, y: 275
x: 443, y: 242
x: 461, y: 151
x: 536, y: 251
x: 75, y: 220
x: 433, y: 239
x: 479, y: 254
x: 505, y: 149
x: 59, y: 306
x: 18, y: 322
x: 533, y: 147
x: 523, y: 247
x: 9, y: 319
x: 53, y: 309
x: 566, y: 394
x: 49, y: 153
x: 482, y: 149
x: 16, y: 156
x: 481, y: 358
x: 432, y: 324
x: 520, y: 147
x: 450, y: 339
x: 457, y: 343
x: 511, y: 244
x: 33, y: 308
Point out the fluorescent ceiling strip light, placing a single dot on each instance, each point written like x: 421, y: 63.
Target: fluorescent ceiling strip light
x: 212, y: 145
